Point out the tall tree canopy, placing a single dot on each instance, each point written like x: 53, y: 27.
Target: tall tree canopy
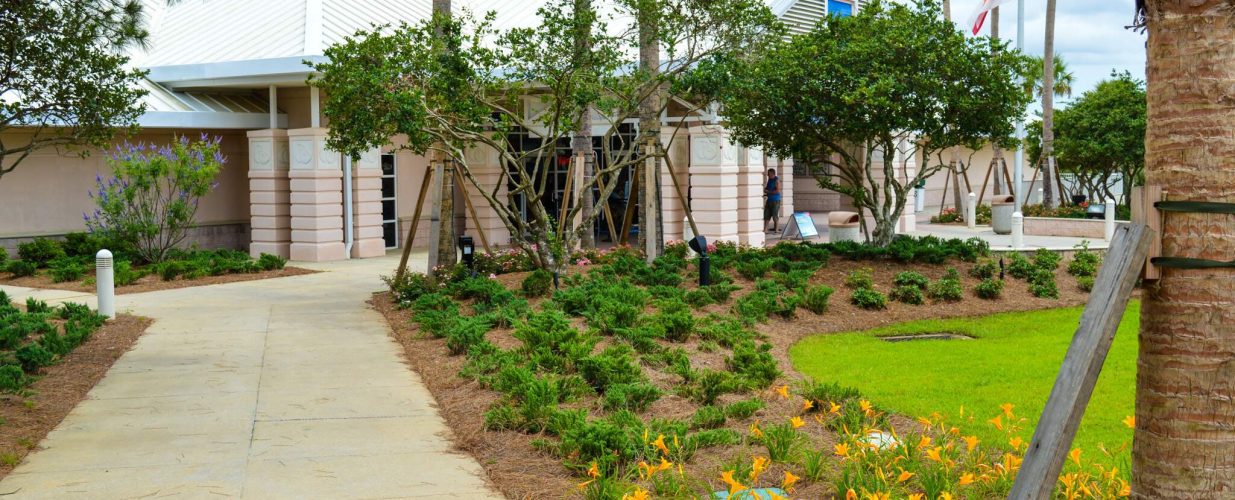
x: 1102, y: 133
x: 399, y: 81
x: 64, y: 81
x: 857, y: 94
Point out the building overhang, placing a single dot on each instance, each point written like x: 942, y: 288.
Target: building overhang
x: 208, y: 119
x: 255, y: 73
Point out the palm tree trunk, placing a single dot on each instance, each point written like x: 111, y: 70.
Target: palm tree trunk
x: 1184, y: 445
x: 1048, y: 109
x: 442, y: 227
x: 649, y: 128
x: 997, y: 152
x: 582, y: 143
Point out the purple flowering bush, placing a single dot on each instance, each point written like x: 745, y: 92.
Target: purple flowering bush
x: 151, y: 200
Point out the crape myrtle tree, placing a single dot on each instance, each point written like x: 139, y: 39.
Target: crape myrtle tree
x: 63, y: 77
x: 1100, y: 137
x: 399, y: 82
x: 855, y: 94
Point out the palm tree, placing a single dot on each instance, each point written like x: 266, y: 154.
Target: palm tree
x: 582, y: 143
x: 1032, y: 75
x: 1185, y: 418
x: 649, y: 127
x: 443, y: 246
x: 1048, y: 109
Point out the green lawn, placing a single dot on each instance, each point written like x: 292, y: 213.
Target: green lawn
x: 1014, y: 359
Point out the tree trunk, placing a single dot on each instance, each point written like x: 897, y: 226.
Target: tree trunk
x: 947, y: 9
x: 582, y: 143
x: 442, y: 248
x: 997, y: 156
x: 1184, y: 445
x: 649, y: 128
x: 1048, y: 109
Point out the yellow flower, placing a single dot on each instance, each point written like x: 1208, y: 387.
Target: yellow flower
x: 851, y: 495
x: 924, y: 442
x: 754, y: 430
x: 594, y: 470
x: 787, y: 485
x: 967, y: 478
x: 659, y: 443
x: 783, y: 391
x: 797, y: 422
x: 757, y: 466
x: 916, y: 496
x: 734, y: 486
x: 1130, y: 421
x: 1016, y: 442
x: 879, y: 495
x: 945, y: 496
x: 925, y: 421
x: 954, y: 431
x: 775, y: 496
x: 1075, y: 456
x: 807, y: 404
x: 1007, y: 409
x: 971, y: 442
x: 933, y: 454
x: 833, y: 408
x: 904, y: 476
x: 583, y: 485
x: 1125, y: 489
x: 997, y: 422
x: 841, y: 450
x: 638, y: 494
x: 865, y: 405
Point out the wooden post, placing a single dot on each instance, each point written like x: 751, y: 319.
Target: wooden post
x: 567, y: 196
x: 631, y: 202
x: 943, y: 200
x: 1081, y: 365
x: 411, y: 232
x: 600, y: 184
x: 690, y: 216
x: 982, y: 192
x: 467, y: 200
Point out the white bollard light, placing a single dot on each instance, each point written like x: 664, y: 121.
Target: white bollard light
x: 919, y: 200
x: 1018, y: 230
x: 1110, y: 220
x: 688, y: 233
x: 971, y: 211
x: 104, y: 279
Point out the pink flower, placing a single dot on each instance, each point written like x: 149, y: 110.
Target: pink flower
x: 492, y: 276
x: 582, y: 262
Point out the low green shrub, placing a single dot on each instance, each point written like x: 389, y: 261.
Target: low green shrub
x: 911, y: 278
x: 676, y: 320
x: 709, y: 385
x: 630, y: 396
x: 271, y: 262
x: 40, y: 251
x: 663, y: 292
x: 754, y: 269
x: 908, y: 294
x: 551, y: 343
x: 1085, y: 283
x: 1046, y: 259
x: 743, y: 409
x: 707, y: 417
x: 815, y: 298
x: 860, y: 279
x: 466, y: 332
x: 22, y: 268
x: 822, y: 393
x: 793, y: 279
x: 782, y: 441
x: 989, y: 288
x: 124, y: 274
x: 33, y: 356
x: 13, y: 379
x: 1019, y: 267
x: 698, y: 298
x: 946, y: 290
x: 4, y: 257
x: 537, y: 284
x: 36, y: 306
x: 1042, y: 284
x: 985, y: 270
x: 753, y: 364
x: 1084, y: 262
x: 868, y: 299
x: 724, y: 330
x: 614, y: 365
x: 63, y: 270
x: 721, y: 291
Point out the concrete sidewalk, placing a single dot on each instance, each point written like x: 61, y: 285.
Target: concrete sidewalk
x: 280, y: 388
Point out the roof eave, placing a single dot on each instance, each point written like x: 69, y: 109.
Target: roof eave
x: 283, y: 71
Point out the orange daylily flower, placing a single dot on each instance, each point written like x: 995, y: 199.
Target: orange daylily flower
x: 1007, y: 409
x: 659, y: 443
x: 594, y: 470
x: 925, y: 421
x: 841, y: 450
x: 833, y: 408
x: 787, y: 485
x: 971, y: 442
x: 924, y: 442
x: 775, y: 496
x: 807, y: 404
x: 796, y: 422
x: 904, y: 476
x: 1075, y: 456
x: 1125, y: 489
x: 945, y: 496
x: 638, y: 494
x: 757, y: 466
x: 734, y: 486
x: 997, y: 422
x: 1016, y: 442
x: 967, y: 478
x: 783, y: 391
x: 851, y: 495
x: 917, y: 496
x: 866, y: 406
x: 879, y: 495
x: 934, y: 454
x: 1130, y: 421
x: 754, y: 430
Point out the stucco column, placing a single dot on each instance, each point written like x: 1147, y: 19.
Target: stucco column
x: 367, y: 206
x: 316, y: 181
x: 714, y: 182
x: 784, y: 169
x: 750, y: 197
x: 677, y: 148
x: 485, y: 166
x: 269, y: 199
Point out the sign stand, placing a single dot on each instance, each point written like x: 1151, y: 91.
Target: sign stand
x: 803, y: 227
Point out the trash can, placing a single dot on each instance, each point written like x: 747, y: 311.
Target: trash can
x: 843, y: 226
x: 1002, y: 207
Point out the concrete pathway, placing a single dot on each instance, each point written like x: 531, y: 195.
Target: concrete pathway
x: 281, y: 388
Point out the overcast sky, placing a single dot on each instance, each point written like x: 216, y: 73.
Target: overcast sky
x: 1089, y: 34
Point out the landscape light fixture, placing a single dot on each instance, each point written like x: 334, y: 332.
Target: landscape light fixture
x: 469, y: 251
x: 700, y: 245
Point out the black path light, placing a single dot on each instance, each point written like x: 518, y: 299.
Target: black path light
x: 700, y: 245
x: 469, y: 251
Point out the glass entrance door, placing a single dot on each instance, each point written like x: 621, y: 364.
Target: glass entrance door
x: 390, y: 208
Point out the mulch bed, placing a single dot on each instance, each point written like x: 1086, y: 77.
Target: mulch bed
x: 519, y: 470
x: 152, y: 282
x: 25, y: 421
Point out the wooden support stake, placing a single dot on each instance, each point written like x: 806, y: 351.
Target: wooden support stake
x: 943, y: 200
x: 1081, y: 365
x: 411, y: 232
x: 467, y: 200
x: 567, y: 195
x: 600, y: 184
x: 1012, y: 188
x: 632, y: 201
x: 690, y: 216
x: 982, y: 193
x: 1144, y: 212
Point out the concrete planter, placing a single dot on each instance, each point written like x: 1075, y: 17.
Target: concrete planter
x: 1056, y: 226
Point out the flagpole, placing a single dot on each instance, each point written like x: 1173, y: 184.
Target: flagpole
x: 1018, y: 168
